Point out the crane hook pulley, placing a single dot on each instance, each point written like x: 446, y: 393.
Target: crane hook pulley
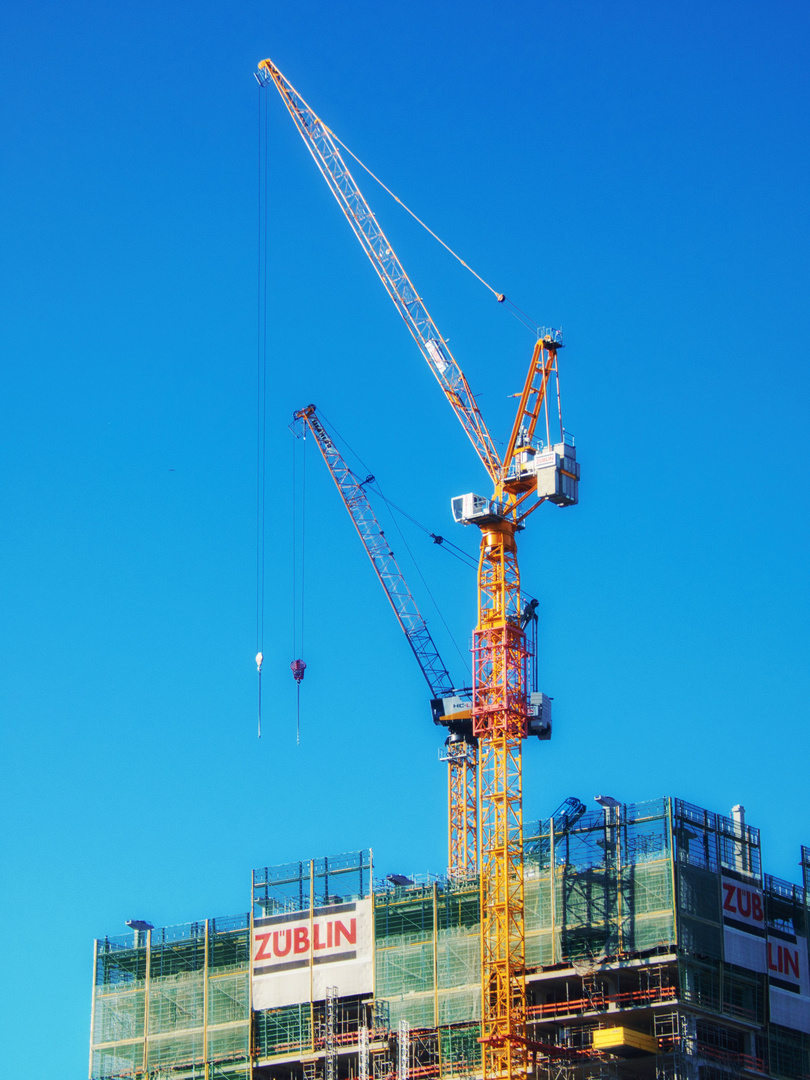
x: 298, y: 667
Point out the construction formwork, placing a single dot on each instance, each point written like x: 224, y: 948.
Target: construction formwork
x: 631, y: 969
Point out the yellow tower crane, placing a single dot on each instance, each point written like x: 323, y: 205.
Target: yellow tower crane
x: 501, y: 707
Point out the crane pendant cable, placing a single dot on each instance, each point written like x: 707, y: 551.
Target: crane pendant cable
x: 513, y: 309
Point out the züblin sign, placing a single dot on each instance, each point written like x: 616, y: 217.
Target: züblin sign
x: 781, y: 954
x: 296, y: 956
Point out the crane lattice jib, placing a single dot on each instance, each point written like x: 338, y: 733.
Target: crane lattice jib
x: 442, y: 363
x: 382, y: 558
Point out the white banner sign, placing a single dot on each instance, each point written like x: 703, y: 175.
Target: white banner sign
x: 743, y: 924
x: 296, y: 956
x: 789, y: 979
x: 749, y: 943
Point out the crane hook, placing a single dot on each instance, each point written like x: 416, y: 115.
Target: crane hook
x: 298, y: 667
x: 259, y: 659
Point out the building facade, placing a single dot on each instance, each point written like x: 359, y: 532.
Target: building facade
x: 655, y: 948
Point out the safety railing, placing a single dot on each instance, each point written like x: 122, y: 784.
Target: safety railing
x: 631, y: 999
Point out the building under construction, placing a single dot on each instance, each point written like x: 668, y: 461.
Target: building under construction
x: 655, y: 947
x: 636, y: 940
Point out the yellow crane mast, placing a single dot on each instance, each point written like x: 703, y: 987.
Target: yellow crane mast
x: 502, y: 711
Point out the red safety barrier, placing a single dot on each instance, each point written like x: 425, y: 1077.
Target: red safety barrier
x: 630, y: 999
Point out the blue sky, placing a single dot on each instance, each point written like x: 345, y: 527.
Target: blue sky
x: 636, y: 173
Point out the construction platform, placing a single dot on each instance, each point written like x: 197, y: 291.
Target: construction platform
x: 655, y: 948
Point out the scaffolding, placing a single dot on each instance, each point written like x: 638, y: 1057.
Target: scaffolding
x: 598, y: 887
x: 624, y: 927
x: 330, y: 1032
x: 322, y: 882
x: 173, y: 1002
x: 427, y: 953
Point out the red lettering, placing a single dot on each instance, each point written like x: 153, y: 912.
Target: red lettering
x: 350, y: 935
x: 287, y: 942
x: 727, y: 903
x: 744, y: 894
x: 771, y: 965
x: 263, y: 954
x: 329, y: 935
x: 791, y: 961
x: 301, y: 939
x: 756, y: 906
x: 316, y: 938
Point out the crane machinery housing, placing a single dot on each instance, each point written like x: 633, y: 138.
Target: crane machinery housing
x: 500, y: 677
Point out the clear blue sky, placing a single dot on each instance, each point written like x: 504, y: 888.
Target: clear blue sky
x: 634, y: 172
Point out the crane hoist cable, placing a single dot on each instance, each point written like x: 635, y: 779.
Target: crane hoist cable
x: 261, y: 390
x: 464, y: 557
x: 372, y: 484
x: 464, y: 659
x: 450, y: 706
x: 298, y: 666
x: 467, y: 560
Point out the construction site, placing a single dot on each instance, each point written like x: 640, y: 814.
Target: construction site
x: 629, y: 940
x: 655, y: 947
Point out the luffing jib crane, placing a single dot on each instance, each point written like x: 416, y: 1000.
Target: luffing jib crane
x: 450, y: 707
x: 500, y: 685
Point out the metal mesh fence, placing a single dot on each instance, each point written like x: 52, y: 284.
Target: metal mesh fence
x: 405, y: 968
x: 228, y: 998
x: 176, y: 1003
x: 121, y: 1060
x: 168, y: 1051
